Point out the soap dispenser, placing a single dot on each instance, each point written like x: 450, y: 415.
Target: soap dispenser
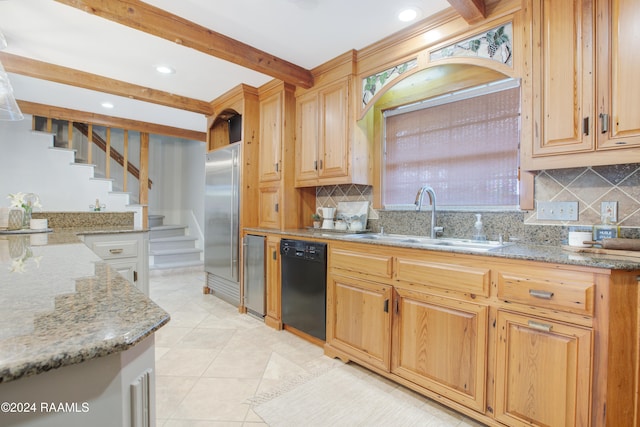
x: 479, y: 234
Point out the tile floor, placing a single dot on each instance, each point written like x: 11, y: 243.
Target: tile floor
x: 210, y: 361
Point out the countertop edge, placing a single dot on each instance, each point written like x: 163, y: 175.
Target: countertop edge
x: 516, y: 251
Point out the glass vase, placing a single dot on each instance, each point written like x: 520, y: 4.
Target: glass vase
x: 26, y: 217
x: 15, y: 219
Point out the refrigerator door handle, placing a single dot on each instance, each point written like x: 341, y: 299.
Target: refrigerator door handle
x: 234, y: 218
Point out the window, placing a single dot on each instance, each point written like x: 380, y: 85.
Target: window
x: 464, y: 145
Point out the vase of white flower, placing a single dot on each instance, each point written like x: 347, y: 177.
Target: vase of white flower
x: 27, y: 202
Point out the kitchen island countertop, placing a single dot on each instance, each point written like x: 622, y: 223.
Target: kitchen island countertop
x: 61, y: 304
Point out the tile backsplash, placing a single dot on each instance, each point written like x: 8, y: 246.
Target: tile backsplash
x: 588, y: 186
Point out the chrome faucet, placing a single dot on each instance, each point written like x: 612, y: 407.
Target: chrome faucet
x: 432, y: 198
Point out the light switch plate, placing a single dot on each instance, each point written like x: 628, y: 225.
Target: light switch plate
x: 559, y: 211
x: 609, y: 209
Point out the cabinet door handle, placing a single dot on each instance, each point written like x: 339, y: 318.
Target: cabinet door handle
x: 135, y: 276
x: 386, y: 305
x: 277, y: 166
x: 585, y: 126
x: 545, y: 327
x: 540, y: 294
x: 277, y: 207
x: 315, y: 165
x: 320, y: 164
x: 116, y: 251
x: 604, y: 123
x: 274, y: 255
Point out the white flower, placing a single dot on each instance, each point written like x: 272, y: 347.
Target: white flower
x: 17, y: 199
x: 24, y: 200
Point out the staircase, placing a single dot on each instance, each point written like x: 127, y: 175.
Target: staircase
x: 170, y: 247
x: 33, y: 164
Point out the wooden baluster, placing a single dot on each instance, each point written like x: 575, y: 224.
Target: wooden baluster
x: 89, y: 143
x: 107, y: 155
x: 143, y: 179
x: 70, y: 135
x: 125, y: 160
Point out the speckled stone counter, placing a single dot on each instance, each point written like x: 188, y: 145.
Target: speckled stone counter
x: 61, y: 305
x: 543, y: 253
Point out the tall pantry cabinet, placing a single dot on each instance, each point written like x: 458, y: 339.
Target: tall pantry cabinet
x: 280, y: 205
x: 585, y: 86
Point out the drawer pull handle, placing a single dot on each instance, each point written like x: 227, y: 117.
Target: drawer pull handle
x: 539, y: 326
x: 115, y: 251
x: 540, y: 294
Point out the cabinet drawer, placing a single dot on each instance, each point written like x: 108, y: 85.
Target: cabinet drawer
x: 111, y: 250
x: 573, y: 293
x: 456, y: 277
x: 362, y: 262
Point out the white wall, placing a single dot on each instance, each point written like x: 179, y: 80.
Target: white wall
x: 30, y: 164
x: 176, y: 168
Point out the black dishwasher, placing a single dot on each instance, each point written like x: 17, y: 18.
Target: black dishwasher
x: 304, y: 287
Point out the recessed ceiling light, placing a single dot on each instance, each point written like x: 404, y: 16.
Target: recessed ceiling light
x: 107, y: 105
x: 165, y: 69
x: 408, y: 14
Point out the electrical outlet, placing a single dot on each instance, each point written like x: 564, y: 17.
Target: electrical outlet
x: 559, y: 211
x: 609, y: 209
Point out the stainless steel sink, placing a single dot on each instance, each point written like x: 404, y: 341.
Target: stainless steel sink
x: 426, y: 242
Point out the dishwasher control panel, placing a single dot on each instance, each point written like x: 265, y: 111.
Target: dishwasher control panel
x: 304, y: 250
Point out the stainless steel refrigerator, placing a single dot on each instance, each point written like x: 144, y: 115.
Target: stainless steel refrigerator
x: 221, y: 217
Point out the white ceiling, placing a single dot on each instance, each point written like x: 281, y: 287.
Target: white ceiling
x: 304, y: 32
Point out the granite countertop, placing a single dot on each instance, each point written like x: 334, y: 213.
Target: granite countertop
x: 61, y: 305
x: 530, y: 252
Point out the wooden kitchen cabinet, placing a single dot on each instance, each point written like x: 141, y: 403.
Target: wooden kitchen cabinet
x: 271, y: 136
x: 507, y: 342
x: 441, y: 344
x: 585, y: 86
x: 543, y: 375
x: 273, y: 316
x: 327, y: 149
x: 269, y: 206
x: 565, y: 86
x: 359, y: 319
x: 279, y: 204
x: 322, y: 140
x: 619, y: 87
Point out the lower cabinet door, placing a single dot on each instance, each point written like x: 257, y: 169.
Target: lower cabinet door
x: 126, y: 268
x: 359, y: 320
x: 543, y: 372
x: 441, y: 344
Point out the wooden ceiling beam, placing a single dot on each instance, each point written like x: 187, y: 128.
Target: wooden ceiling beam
x: 150, y: 19
x: 69, y: 76
x: 60, y: 113
x: 472, y: 11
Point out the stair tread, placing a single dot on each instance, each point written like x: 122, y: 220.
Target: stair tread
x: 155, y: 216
x: 171, y: 239
x: 175, y: 265
x: 174, y: 251
x: 167, y: 227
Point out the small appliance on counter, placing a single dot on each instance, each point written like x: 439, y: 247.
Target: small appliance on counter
x: 327, y: 215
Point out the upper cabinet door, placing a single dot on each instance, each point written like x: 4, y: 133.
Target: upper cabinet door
x: 563, y: 63
x: 618, y: 82
x: 271, y: 133
x: 307, y: 137
x: 334, y: 130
